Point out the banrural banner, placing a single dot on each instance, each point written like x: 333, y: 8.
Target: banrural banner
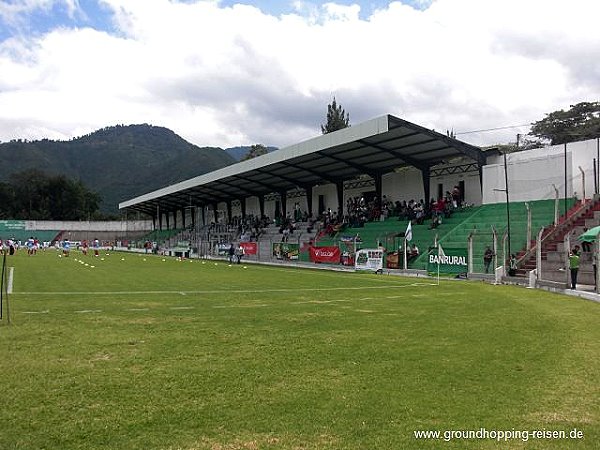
x: 249, y: 248
x: 324, y: 254
x: 369, y: 259
x: 283, y: 250
x: 450, y: 260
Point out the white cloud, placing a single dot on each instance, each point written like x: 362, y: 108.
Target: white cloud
x: 235, y: 75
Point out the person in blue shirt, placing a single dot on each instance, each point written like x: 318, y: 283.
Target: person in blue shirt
x: 66, y: 247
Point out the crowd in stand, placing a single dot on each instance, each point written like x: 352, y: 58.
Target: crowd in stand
x: 359, y: 210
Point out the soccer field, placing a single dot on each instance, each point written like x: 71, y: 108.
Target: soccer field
x: 142, y: 352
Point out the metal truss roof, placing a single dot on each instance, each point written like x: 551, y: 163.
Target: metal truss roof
x: 375, y: 147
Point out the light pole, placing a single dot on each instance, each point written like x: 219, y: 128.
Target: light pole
x: 507, y: 204
x: 505, y: 190
x: 565, y: 205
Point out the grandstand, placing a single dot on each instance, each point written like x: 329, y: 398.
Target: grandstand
x: 384, y: 157
x: 455, y: 230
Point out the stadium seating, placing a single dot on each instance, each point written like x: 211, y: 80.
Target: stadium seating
x: 455, y: 230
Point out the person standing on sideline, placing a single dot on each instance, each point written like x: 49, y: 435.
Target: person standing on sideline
x: 487, y: 258
x: 231, y: 253
x: 574, y: 266
x: 512, y: 265
x: 239, y: 252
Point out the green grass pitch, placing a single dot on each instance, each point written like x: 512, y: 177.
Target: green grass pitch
x: 145, y: 352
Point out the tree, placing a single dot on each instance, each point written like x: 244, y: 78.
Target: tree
x: 7, y: 200
x: 255, y: 150
x: 337, y: 118
x: 580, y: 122
x: 33, y: 195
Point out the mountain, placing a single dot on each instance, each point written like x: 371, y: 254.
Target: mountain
x: 119, y: 162
x: 238, y: 153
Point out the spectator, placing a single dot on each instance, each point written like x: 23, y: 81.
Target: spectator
x: 488, y: 255
x: 574, y: 266
x: 512, y: 265
x: 239, y: 252
x: 412, y: 251
x: 456, y: 197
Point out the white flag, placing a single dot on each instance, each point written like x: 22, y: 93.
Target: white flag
x: 408, y: 233
x: 440, y: 250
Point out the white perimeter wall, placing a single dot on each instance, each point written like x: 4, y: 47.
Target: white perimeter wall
x: 532, y: 173
x: 329, y: 191
x: 51, y: 225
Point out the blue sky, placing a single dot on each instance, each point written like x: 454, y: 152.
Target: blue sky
x: 285, y: 7
x: 92, y: 14
x: 57, y: 14
x: 225, y: 75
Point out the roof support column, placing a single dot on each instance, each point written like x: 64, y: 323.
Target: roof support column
x: 261, y: 205
x: 167, y: 215
x: 283, y: 199
x: 378, y: 178
x: 182, y: 217
x: 426, y: 174
x: 214, y: 205
x: 309, y: 199
x: 340, y: 198
x: 243, y: 206
x: 193, y: 212
x: 229, y: 211
x: 203, y: 215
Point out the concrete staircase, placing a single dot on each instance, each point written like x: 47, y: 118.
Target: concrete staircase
x: 553, y: 249
x: 301, y: 235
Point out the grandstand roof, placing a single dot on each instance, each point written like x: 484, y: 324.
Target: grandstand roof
x: 375, y: 147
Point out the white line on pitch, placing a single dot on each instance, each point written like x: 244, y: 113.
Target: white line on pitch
x: 318, y: 301
x: 235, y: 291
x: 9, y: 287
x: 86, y: 311
x: 241, y: 306
x: 35, y: 312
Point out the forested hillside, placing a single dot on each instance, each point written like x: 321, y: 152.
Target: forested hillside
x: 118, y: 162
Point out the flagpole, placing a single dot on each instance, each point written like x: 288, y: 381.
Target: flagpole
x: 438, y: 277
x: 440, y: 252
x: 407, y: 237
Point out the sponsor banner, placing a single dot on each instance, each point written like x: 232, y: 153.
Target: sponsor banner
x: 369, y: 259
x: 324, y: 254
x: 283, y: 250
x: 10, y: 225
x: 451, y: 261
x: 249, y: 248
x: 393, y: 260
x: 346, y: 238
x: 223, y: 249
